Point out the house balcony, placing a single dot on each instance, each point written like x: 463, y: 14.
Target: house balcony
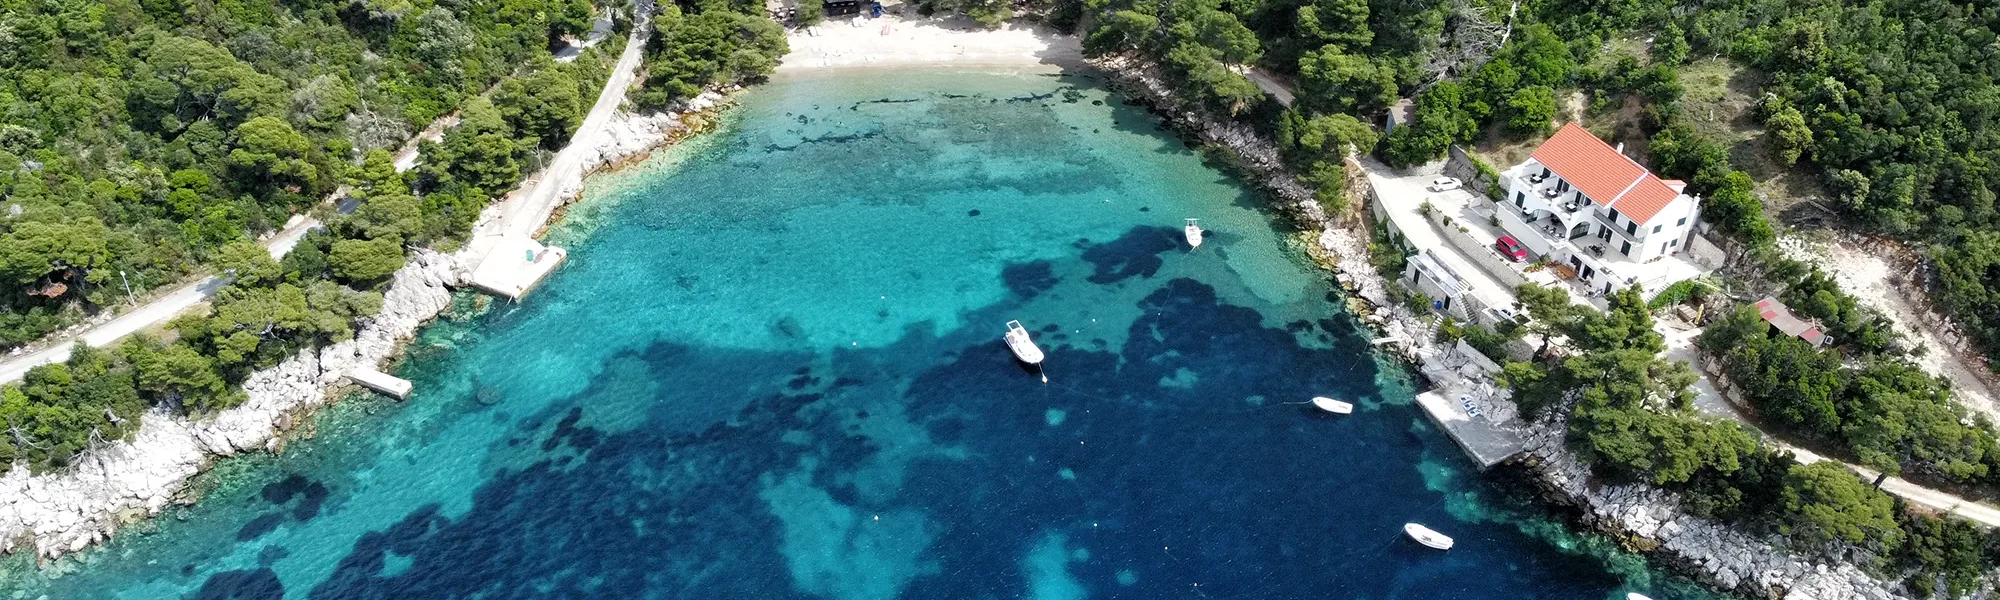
x: 1615, y: 228
x: 1548, y: 191
x: 1586, y: 264
x: 1555, y: 227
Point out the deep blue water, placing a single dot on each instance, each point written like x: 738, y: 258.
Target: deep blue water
x: 773, y: 370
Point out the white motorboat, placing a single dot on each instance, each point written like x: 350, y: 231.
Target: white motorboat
x: 1333, y: 406
x: 1426, y: 536
x: 1636, y: 596
x: 1023, y: 346
x: 1193, y: 234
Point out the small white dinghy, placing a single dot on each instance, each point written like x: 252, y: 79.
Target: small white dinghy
x: 1024, y: 347
x: 1193, y: 234
x: 1333, y: 406
x: 1636, y: 596
x: 1424, y: 535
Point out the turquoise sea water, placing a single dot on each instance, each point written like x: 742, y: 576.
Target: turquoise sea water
x: 773, y: 369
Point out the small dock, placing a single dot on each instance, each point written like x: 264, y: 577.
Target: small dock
x: 381, y: 382
x: 1469, y: 405
x: 515, y: 265
x: 1483, y: 440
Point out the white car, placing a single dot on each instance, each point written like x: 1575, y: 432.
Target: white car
x: 1443, y: 184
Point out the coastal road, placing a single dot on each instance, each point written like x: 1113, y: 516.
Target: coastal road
x: 1270, y: 85
x: 1973, y: 511
x: 161, y: 309
x: 157, y: 311
x: 522, y: 212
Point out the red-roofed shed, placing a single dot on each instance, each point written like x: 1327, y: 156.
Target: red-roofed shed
x: 1781, y: 317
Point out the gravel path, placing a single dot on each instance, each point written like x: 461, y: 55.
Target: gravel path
x: 1862, y: 269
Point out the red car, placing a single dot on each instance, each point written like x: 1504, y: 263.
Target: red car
x: 1511, y: 249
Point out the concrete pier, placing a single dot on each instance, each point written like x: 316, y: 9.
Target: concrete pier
x: 1469, y: 405
x: 1482, y: 439
x: 515, y: 265
x: 381, y: 382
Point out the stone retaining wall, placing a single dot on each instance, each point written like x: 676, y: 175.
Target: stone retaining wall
x: 1481, y: 254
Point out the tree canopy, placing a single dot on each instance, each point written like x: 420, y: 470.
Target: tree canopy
x: 710, y: 45
x: 145, y: 141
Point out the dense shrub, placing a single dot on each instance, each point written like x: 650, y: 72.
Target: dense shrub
x: 141, y: 142
x: 715, y: 45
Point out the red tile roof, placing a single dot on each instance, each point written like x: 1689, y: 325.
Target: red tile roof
x: 1781, y: 317
x: 1603, y: 174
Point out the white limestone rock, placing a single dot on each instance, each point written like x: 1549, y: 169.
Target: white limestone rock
x: 67, y: 511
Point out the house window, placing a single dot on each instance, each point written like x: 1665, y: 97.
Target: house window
x: 1663, y: 248
x: 1614, y: 214
x: 1631, y: 228
x: 1683, y: 221
x: 1545, y: 171
x: 1521, y: 199
x: 1625, y: 249
x: 1656, y: 229
x: 1676, y: 242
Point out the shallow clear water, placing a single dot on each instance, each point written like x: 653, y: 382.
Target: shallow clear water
x: 773, y: 370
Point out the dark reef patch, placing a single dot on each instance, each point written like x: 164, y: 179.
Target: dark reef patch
x: 1135, y: 254
x: 256, y: 528
x: 1029, y: 279
x: 249, y: 584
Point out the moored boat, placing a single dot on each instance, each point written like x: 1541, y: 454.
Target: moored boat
x: 1023, y: 346
x: 1333, y: 406
x: 1193, y: 232
x: 1427, y: 536
x: 1636, y: 596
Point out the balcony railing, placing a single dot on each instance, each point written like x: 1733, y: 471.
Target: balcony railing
x: 1568, y: 201
x: 1609, y: 224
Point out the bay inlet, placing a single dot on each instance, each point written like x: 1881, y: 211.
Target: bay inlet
x: 773, y: 369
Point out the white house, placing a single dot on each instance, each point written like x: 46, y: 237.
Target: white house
x: 1436, y: 278
x: 1580, y: 203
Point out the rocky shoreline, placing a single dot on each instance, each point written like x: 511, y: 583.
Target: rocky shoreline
x: 126, y: 481
x: 631, y: 138
x: 1646, y: 519
x: 66, y: 511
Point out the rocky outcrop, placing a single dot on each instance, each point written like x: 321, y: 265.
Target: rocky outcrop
x: 1648, y: 518
x: 67, y: 511
x: 630, y: 137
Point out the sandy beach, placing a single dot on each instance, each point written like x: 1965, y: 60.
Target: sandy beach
x: 892, y: 40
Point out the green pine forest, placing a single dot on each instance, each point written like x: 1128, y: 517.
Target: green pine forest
x: 146, y: 142
x: 149, y: 142
x: 1886, y: 106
